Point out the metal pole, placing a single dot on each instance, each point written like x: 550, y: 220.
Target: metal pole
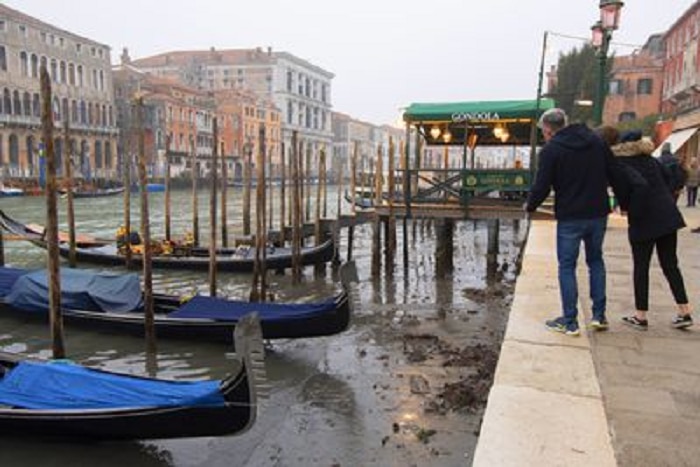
x: 599, y: 103
x: 533, y: 127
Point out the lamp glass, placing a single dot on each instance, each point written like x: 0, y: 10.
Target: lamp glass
x: 447, y: 136
x: 435, y: 132
x: 610, y: 15
x: 597, y: 35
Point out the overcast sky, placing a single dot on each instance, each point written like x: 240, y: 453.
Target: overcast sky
x: 385, y: 54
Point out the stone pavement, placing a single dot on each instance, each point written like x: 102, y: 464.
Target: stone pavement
x: 622, y: 397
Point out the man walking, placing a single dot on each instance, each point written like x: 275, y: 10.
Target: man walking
x: 577, y: 164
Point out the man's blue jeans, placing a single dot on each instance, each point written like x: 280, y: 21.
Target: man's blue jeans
x: 569, y: 236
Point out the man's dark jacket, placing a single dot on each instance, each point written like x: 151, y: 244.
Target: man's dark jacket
x: 578, y: 165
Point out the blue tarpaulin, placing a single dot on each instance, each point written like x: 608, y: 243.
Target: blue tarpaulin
x: 68, y: 386
x: 230, y: 310
x: 80, y: 290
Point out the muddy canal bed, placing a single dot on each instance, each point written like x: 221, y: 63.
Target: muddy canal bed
x: 405, y: 385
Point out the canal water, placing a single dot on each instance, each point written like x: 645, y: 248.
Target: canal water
x: 399, y: 387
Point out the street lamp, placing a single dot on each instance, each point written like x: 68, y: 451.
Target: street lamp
x: 601, y: 36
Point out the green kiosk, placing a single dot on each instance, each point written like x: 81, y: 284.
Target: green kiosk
x: 468, y: 125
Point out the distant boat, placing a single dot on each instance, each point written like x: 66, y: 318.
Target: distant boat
x: 96, y: 193
x: 10, y: 191
x: 150, y: 188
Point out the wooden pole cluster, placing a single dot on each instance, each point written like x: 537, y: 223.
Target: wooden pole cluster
x: 259, y: 290
x: 320, y: 194
x: 53, y: 270
x: 306, y: 170
x: 376, y: 224
x: 339, y: 208
x: 70, y: 210
x: 212, y: 210
x: 145, y: 235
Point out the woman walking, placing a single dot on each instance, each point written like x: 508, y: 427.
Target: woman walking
x: 653, y: 222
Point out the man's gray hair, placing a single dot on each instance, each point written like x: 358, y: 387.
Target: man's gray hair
x: 555, y: 119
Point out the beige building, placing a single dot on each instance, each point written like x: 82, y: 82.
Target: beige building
x: 81, y: 79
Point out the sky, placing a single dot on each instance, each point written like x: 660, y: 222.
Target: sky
x: 385, y: 54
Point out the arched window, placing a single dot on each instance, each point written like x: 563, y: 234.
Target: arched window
x: 74, y: 111
x: 43, y: 64
x: 30, y: 151
x: 83, y: 113
x: 36, y: 105
x: 104, y: 115
x: 24, y: 63
x: 91, y: 115
x: 102, y: 80
x: 27, y: 104
x: 56, y: 109
x: 58, y: 154
x: 98, y: 155
x: 108, y: 154
x: 14, y: 150
x: 110, y: 116
x: 16, y: 104
x: 35, y: 66
x: 7, y: 101
x: 64, y: 109
x: 71, y: 74
x: 54, y: 70
x: 81, y: 77
x: 64, y: 78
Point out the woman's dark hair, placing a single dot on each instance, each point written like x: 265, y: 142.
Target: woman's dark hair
x: 608, y: 134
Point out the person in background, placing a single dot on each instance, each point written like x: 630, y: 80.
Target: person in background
x: 577, y: 165
x: 692, y: 182
x: 653, y: 222
x: 674, y: 170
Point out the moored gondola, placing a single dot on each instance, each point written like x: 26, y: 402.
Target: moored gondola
x: 240, y: 259
x: 70, y: 401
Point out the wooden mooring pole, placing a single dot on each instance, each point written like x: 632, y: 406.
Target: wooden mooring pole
x: 212, y: 209
x: 53, y: 261
x: 296, y: 209
x: 70, y: 209
x: 167, y: 189
x: 149, y: 321
x: 247, y: 186
x: 195, y: 201
x: 376, y: 224
x: 224, y: 195
x: 353, y: 208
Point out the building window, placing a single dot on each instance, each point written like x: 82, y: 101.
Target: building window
x: 615, y: 87
x: 7, y: 101
x: 27, y: 104
x: 64, y: 78
x: 22, y: 30
x: 16, y: 104
x: 644, y: 86
x: 71, y: 74
x: 626, y: 116
x: 3, y: 58
x: 54, y: 71
x: 35, y: 66
x: 14, y: 150
x: 24, y: 63
x: 81, y: 78
x: 2, y: 25
x: 36, y: 105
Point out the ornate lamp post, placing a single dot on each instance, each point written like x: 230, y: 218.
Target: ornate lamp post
x: 602, y: 35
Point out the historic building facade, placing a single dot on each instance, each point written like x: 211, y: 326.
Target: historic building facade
x: 300, y: 91
x: 81, y: 79
x: 635, y: 84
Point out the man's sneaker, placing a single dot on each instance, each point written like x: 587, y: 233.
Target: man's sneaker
x: 641, y: 324
x: 561, y: 325
x: 682, y: 321
x: 599, y: 324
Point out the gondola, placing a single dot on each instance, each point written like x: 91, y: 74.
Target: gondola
x: 57, y: 399
x: 97, y: 193
x: 114, y: 303
x: 241, y: 259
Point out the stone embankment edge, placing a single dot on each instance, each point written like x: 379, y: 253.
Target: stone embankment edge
x: 545, y: 406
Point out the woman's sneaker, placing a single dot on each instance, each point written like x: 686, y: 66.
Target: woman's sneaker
x: 682, y: 321
x: 641, y: 324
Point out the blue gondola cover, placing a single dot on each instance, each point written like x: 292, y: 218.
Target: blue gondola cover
x: 229, y: 310
x: 67, y: 386
x: 84, y: 290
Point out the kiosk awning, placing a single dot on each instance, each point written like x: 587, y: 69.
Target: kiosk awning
x: 476, y: 111
x: 676, y: 139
